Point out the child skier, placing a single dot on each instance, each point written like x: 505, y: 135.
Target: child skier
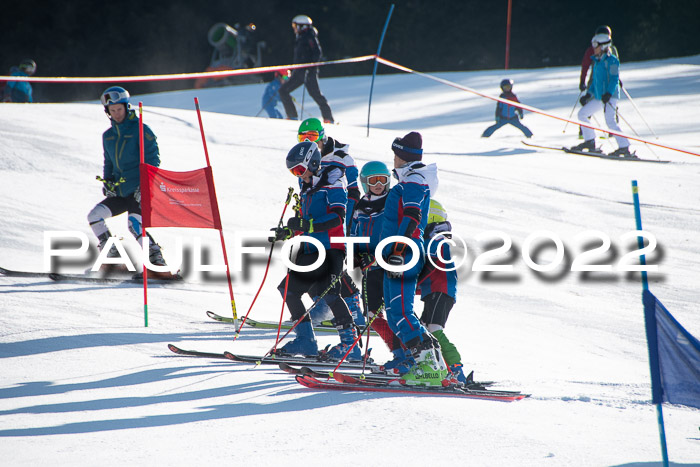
x: 507, y: 114
x: 335, y: 154
x: 271, y: 95
x: 405, y: 215
x: 438, y: 286
x: 322, y: 216
x: 367, y: 222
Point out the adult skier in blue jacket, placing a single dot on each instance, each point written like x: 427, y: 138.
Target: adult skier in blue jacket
x: 405, y: 215
x: 121, y: 171
x: 603, y: 94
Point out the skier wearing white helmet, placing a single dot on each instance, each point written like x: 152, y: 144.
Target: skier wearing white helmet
x: 602, y: 94
x: 307, y: 49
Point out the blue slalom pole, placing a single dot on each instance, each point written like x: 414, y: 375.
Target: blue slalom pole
x: 374, y: 73
x: 645, y: 286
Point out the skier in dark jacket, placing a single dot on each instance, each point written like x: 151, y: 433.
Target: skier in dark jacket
x: 321, y: 215
x: 307, y: 49
x: 507, y: 114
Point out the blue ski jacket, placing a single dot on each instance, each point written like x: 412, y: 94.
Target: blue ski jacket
x: 17, y: 91
x: 367, y: 222
x: 323, y: 201
x: 121, y: 153
x: 605, y: 77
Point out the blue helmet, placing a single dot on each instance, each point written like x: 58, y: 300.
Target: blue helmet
x: 115, y: 95
x: 302, y: 157
x: 374, y: 169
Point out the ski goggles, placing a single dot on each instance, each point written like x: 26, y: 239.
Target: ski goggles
x: 312, y: 136
x: 298, y: 170
x: 382, y: 180
x: 114, y: 97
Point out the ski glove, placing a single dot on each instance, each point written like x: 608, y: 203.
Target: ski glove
x: 280, y: 233
x: 606, y: 97
x: 366, y: 261
x: 108, y: 192
x: 137, y: 194
x: 395, y: 260
x: 584, y: 99
x: 582, y: 86
x: 299, y: 223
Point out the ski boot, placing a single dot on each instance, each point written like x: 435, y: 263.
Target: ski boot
x: 430, y: 368
x: 347, y: 338
x: 588, y: 145
x: 623, y: 152
x: 353, y: 303
x: 320, y: 312
x: 400, y: 364
x: 457, y: 375
x: 303, y: 344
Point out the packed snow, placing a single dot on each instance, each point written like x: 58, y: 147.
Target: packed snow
x: 84, y: 382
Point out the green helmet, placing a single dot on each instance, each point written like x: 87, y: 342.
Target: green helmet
x: 310, y: 128
x: 436, y: 213
x: 374, y: 169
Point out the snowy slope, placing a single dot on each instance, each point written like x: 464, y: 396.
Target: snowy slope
x: 83, y: 382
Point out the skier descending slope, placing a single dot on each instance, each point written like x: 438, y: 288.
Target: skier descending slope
x: 406, y: 214
x: 322, y: 216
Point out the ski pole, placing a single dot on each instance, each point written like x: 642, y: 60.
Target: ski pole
x: 109, y: 183
x: 572, y: 111
x: 638, y: 112
x: 357, y: 339
x: 636, y: 134
x: 303, y: 94
x: 320, y: 297
x: 267, y: 267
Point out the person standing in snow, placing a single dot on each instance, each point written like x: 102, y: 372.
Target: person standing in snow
x: 121, y: 177
x: 438, y: 286
x: 20, y: 91
x: 586, y: 63
x: 602, y: 94
x: 336, y: 154
x: 323, y: 198
x: 507, y: 114
x: 375, y: 179
x: 406, y: 215
x: 307, y: 49
x: 271, y: 95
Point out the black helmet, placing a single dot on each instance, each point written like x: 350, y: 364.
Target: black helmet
x: 507, y: 82
x: 302, y: 157
x: 603, y: 30
x: 28, y: 66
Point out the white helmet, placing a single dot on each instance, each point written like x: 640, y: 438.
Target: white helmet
x: 601, y: 39
x: 302, y: 20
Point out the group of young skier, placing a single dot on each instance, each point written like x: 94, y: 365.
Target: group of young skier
x: 407, y: 217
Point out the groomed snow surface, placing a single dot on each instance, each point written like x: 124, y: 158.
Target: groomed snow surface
x: 83, y: 382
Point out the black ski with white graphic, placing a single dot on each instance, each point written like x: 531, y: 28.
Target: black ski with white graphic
x: 195, y: 353
x: 137, y: 279
x: 598, y: 155
x: 11, y: 273
x: 311, y: 362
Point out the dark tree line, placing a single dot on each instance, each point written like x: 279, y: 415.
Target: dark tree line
x: 128, y: 37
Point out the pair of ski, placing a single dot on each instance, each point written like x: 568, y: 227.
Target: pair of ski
x: 599, y: 155
x: 309, y: 372
x: 136, y: 279
x: 324, y: 326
